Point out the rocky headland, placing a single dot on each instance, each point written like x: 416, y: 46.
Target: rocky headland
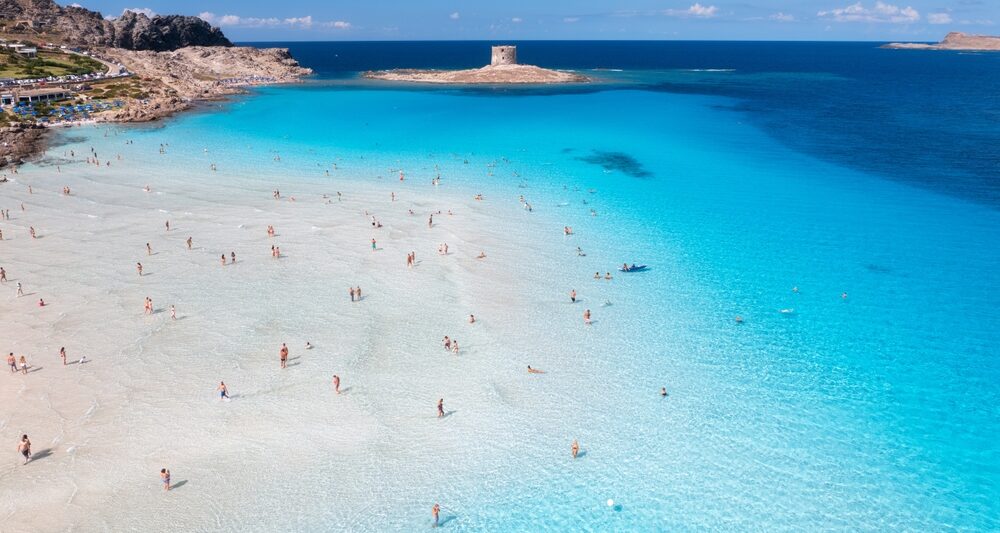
x: 174, y: 61
x: 954, y: 41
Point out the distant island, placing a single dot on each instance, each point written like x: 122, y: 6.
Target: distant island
x: 954, y: 41
x: 503, y: 69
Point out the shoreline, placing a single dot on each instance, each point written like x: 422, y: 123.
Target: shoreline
x: 176, y: 81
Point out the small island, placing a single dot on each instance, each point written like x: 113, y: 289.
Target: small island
x: 503, y: 69
x: 954, y: 41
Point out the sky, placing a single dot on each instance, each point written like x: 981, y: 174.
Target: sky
x: 323, y: 20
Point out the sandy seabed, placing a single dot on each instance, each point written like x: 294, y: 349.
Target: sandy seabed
x: 285, y: 452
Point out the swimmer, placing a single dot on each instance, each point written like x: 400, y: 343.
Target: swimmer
x: 575, y: 448
x: 482, y: 255
x: 739, y: 319
x: 607, y: 276
x: 232, y: 255
x: 597, y: 275
x: 663, y: 392
x: 843, y: 295
x: 436, y: 511
x: 309, y: 345
x: 223, y: 259
x: 586, y: 317
x: 472, y: 319
x: 223, y: 391
x: 572, y: 295
x: 535, y: 370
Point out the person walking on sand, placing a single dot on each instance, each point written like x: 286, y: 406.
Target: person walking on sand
x: 572, y: 295
x: 575, y: 448
x: 138, y: 267
x: 373, y: 245
x: 189, y: 243
x: 586, y: 317
x: 441, y: 408
x: 24, y: 365
x: 165, y: 478
x: 12, y: 362
x: 62, y: 355
x: 223, y: 391
x: 284, y: 355
x: 436, y: 511
x: 3, y: 275
x: 24, y: 448
x: 149, y: 249
x: 336, y: 383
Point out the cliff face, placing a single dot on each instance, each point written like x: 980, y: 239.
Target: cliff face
x: 133, y: 31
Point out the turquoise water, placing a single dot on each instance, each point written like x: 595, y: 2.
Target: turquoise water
x: 874, y: 412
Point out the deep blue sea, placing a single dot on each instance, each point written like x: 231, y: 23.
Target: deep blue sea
x: 868, y: 180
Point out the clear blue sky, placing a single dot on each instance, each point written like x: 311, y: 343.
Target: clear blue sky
x: 260, y: 20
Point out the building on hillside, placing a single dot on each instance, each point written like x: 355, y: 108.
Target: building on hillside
x: 34, y: 96
x: 27, y: 52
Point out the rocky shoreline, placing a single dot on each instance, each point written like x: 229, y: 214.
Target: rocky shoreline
x: 174, y: 81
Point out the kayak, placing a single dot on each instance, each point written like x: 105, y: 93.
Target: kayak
x: 633, y: 268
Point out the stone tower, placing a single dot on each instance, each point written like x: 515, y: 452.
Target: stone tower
x: 504, y: 55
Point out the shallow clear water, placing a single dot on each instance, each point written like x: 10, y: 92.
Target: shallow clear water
x: 874, y: 412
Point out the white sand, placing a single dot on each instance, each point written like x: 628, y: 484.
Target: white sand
x: 145, y: 400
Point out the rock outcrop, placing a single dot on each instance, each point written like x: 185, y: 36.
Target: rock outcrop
x: 954, y: 41
x: 490, y: 74
x: 177, y: 78
x: 80, y: 26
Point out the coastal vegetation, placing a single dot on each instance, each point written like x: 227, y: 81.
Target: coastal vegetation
x: 47, y: 63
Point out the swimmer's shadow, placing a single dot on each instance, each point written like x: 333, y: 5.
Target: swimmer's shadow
x: 41, y: 454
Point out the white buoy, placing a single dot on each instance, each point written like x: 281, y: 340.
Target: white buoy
x: 611, y: 503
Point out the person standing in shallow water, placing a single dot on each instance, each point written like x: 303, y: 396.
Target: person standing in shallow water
x: 441, y: 408
x: 24, y: 448
x: 336, y: 383
x: 436, y: 511
x: 575, y: 449
x: 284, y: 355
